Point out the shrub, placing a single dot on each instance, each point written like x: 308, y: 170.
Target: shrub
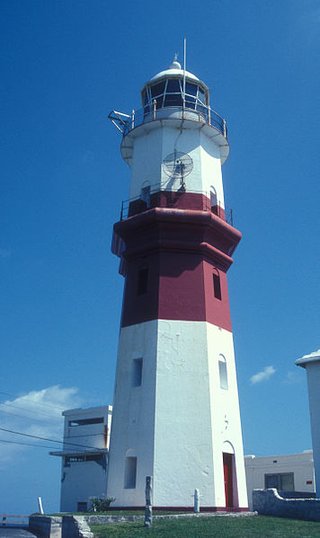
x: 101, y: 504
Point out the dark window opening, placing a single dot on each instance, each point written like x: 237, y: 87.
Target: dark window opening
x: 202, y: 96
x: 191, y: 88
x: 190, y: 102
x: 157, y: 89
x: 137, y: 372
x: 280, y: 481
x: 82, y: 506
x: 173, y: 86
x: 143, y: 281
x: 173, y: 99
x: 146, y: 195
x: 217, y: 286
x: 130, y: 473
x: 86, y: 421
x: 213, y: 201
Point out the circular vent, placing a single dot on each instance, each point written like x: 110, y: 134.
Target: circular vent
x: 178, y: 164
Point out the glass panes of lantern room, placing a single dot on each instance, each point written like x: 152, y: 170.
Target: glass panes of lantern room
x: 169, y: 93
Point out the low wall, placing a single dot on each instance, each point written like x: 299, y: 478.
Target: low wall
x: 60, y: 527
x: 45, y: 526
x: 75, y: 527
x: 268, y: 502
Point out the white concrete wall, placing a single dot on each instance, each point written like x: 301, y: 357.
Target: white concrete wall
x: 151, y: 147
x: 225, y: 418
x: 299, y: 464
x: 90, y: 434
x: 80, y: 481
x: 313, y: 376
x: 178, y: 421
x: 133, y: 417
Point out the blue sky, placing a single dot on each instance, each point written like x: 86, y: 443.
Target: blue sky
x: 64, y: 66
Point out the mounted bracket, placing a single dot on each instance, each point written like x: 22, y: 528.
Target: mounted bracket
x: 119, y: 119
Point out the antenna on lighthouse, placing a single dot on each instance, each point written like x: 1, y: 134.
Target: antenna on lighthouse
x: 184, y: 69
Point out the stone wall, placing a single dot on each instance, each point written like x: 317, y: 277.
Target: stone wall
x: 75, y: 527
x: 268, y: 502
x: 60, y: 527
x: 45, y: 526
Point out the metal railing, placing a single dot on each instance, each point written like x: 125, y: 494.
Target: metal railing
x: 127, y: 122
x: 14, y: 521
x: 174, y: 200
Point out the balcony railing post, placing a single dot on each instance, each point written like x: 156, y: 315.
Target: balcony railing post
x: 132, y: 118
x: 224, y: 128
x: 154, y: 108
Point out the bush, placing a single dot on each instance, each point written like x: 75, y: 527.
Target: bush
x: 101, y: 504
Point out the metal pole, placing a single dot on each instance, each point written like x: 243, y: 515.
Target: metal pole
x: 196, y: 506
x: 148, y: 508
x: 40, y: 505
x: 184, y: 70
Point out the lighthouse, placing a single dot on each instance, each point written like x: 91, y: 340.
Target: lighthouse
x: 176, y: 408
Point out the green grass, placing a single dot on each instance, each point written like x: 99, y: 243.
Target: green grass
x: 213, y: 527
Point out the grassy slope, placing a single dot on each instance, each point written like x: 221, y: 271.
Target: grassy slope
x: 214, y: 527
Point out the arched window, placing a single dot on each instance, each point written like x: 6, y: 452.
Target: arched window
x: 130, y: 472
x: 145, y: 194
x: 213, y: 200
x: 223, y: 373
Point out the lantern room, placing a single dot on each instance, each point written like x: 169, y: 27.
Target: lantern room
x: 175, y: 87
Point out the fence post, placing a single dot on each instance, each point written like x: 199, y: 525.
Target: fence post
x: 148, y: 508
x: 196, y: 504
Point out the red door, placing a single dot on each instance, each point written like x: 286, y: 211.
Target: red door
x: 228, y: 472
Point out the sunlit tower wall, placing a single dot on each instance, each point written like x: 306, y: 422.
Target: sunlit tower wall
x: 176, y: 409
x: 311, y: 363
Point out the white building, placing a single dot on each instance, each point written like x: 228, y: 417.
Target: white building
x: 287, y: 473
x: 311, y: 363
x: 84, y: 457
x: 176, y: 410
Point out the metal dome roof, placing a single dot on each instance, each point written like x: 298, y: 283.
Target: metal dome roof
x: 175, y: 70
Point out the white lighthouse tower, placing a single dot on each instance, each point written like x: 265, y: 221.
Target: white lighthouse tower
x: 311, y: 363
x: 176, y: 411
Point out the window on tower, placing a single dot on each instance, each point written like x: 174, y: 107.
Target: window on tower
x: 213, y: 200
x: 223, y: 373
x: 142, y: 284
x: 216, y: 285
x: 137, y: 372
x: 146, y: 195
x: 130, y: 473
